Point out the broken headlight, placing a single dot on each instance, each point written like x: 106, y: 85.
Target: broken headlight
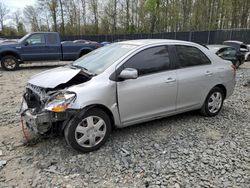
x: 60, y: 102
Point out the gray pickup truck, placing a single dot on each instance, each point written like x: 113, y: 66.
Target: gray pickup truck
x: 41, y: 46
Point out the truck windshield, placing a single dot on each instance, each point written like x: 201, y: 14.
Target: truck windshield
x: 23, y: 38
x: 99, y: 60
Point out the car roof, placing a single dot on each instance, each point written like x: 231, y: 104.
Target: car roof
x: 234, y: 41
x: 144, y: 42
x: 218, y: 46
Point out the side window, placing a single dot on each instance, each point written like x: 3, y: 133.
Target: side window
x: 149, y: 61
x: 52, y: 38
x: 221, y: 50
x: 232, y: 51
x: 36, y: 39
x: 243, y: 47
x: 191, y: 56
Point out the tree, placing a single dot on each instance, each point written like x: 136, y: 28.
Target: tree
x: 62, y: 17
x: 93, y: 6
x: 31, y: 15
x: 17, y: 18
x: 3, y: 13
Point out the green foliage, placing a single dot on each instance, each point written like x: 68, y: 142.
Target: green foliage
x: 9, y: 31
x: 150, y: 5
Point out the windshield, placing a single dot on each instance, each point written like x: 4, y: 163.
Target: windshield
x: 99, y: 60
x: 23, y: 38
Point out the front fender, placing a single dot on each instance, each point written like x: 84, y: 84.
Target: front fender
x: 97, y: 91
x: 10, y: 51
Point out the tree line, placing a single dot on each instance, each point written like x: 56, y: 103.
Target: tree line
x: 80, y: 17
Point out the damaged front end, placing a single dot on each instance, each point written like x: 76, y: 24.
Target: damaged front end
x: 41, y: 110
x: 46, y: 101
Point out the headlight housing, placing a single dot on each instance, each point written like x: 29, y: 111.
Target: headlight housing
x: 60, y: 102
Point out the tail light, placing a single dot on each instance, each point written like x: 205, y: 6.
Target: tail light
x: 234, y: 70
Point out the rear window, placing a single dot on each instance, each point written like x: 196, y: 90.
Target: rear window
x: 191, y: 56
x: 52, y: 38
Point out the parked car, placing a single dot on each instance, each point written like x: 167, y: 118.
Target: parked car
x: 123, y: 84
x: 228, y: 53
x: 247, y: 54
x: 241, y: 48
x: 40, y: 46
x: 105, y: 43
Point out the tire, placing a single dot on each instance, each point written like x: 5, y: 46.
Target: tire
x: 218, y: 96
x: 248, y: 58
x: 88, y: 131
x: 237, y: 64
x: 9, y: 63
x: 84, y: 52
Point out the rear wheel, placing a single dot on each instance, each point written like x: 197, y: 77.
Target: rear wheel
x: 84, y: 52
x: 9, y: 63
x: 213, y: 102
x: 237, y: 64
x: 248, y: 58
x: 88, y: 131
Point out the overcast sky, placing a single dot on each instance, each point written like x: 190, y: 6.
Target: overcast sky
x: 13, y: 5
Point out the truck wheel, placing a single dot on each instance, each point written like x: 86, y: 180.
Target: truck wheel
x: 84, y: 52
x: 9, y: 63
x: 88, y: 131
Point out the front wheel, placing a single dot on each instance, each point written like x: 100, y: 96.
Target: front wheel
x: 9, y: 63
x: 88, y: 131
x: 213, y: 102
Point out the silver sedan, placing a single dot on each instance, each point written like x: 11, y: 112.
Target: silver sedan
x: 123, y: 84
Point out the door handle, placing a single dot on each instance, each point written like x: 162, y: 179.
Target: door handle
x: 169, y: 80
x: 208, y: 73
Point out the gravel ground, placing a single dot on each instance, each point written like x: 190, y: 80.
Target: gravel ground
x: 186, y: 150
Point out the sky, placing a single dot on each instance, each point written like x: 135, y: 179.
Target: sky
x: 14, y: 5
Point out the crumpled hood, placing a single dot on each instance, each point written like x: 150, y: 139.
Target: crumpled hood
x: 54, y: 77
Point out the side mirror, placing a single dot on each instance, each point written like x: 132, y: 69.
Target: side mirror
x: 128, y: 73
x: 26, y: 43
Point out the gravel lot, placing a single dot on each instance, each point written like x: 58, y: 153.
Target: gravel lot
x: 186, y: 150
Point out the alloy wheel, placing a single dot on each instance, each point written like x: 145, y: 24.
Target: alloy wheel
x: 215, y: 102
x: 10, y: 63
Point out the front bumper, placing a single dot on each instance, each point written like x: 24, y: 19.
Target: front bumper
x: 40, y: 122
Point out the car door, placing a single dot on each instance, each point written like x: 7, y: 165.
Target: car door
x: 53, y: 46
x: 153, y: 93
x: 195, y: 77
x: 34, y: 48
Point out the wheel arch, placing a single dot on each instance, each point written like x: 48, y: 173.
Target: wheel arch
x: 84, y: 51
x: 11, y: 53
x: 86, y: 108
x: 105, y: 109
x: 223, y: 88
